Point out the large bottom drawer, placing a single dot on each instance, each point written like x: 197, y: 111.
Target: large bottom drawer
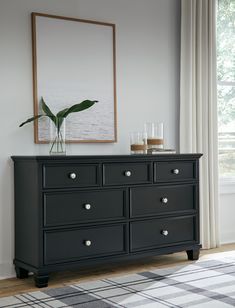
x: 71, y: 245
x: 152, y: 233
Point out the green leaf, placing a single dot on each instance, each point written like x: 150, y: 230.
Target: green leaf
x: 31, y: 119
x: 59, y: 121
x: 79, y: 107
x: 47, y: 110
x: 61, y: 113
x: 59, y: 118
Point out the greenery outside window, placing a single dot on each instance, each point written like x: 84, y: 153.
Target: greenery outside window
x: 226, y: 87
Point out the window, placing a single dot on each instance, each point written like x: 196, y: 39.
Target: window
x: 226, y: 86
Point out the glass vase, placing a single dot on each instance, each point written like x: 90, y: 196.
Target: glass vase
x: 138, y: 143
x: 57, y: 137
x: 154, y: 135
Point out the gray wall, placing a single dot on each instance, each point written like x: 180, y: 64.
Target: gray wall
x: 148, y: 39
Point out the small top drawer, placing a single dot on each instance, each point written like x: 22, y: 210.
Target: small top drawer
x: 127, y: 173
x: 70, y: 175
x: 175, y: 171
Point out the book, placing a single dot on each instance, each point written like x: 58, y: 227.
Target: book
x: 161, y: 151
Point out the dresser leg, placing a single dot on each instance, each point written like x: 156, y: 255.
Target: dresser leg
x: 193, y: 254
x: 21, y: 272
x: 41, y: 281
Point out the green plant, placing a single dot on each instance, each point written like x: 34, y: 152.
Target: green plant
x: 61, y: 115
x: 58, y: 118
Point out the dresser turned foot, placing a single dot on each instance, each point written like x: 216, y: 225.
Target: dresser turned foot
x: 41, y: 281
x: 193, y: 254
x: 21, y: 273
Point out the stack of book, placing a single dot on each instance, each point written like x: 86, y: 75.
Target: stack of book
x: 160, y: 151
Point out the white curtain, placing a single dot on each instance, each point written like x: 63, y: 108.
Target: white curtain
x: 198, y: 106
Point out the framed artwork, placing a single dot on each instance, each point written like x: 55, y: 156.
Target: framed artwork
x: 74, y: 60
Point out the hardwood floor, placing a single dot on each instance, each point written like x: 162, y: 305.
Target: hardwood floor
x: 13, y: 286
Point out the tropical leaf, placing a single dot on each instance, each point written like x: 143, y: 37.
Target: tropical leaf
x: 47, y: 110
x: 32, y: 119
x: 79, y: 107
x: 61, y: 113
x: 59, y: 121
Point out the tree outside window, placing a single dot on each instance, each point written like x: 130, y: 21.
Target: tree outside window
x: 226, y: 86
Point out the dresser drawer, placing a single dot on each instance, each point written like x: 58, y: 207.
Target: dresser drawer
x: 70, y: 175
x: 150, y: 234
x: 162, y: 199
x: 127, y: 173
x: 81, y: 207
x: 72, y: 245
x: 175, y: 171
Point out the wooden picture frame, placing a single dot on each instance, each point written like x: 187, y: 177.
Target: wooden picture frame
x: 73, y: 60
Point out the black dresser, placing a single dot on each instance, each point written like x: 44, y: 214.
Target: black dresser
x: 75, y: 211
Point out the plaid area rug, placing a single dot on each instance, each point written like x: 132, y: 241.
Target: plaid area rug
x: 203, y: 284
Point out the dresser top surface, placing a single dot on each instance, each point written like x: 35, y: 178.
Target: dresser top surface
x: 128, y: 157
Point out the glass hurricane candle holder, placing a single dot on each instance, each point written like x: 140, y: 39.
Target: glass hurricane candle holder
x: 138, y: 143
x: 154, y: 133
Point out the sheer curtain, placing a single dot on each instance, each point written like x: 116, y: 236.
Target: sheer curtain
x: 198, y: 106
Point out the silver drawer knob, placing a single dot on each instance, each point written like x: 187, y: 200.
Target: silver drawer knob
x: 176, y: 171
x: 165, y: 232
x: 87, y: 243
x: 127, y: 173
x: 87, y: 206
x: 164, y: 200
x: 72, y: 176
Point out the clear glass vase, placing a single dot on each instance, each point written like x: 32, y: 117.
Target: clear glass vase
x: 154, y: 135
x: 138, y: 143
x: 57, y: 137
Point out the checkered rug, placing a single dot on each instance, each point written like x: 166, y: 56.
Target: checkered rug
x: 203, y: 284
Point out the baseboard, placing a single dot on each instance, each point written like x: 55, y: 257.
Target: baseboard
x: 227, y: 238
x: 7, y: 270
